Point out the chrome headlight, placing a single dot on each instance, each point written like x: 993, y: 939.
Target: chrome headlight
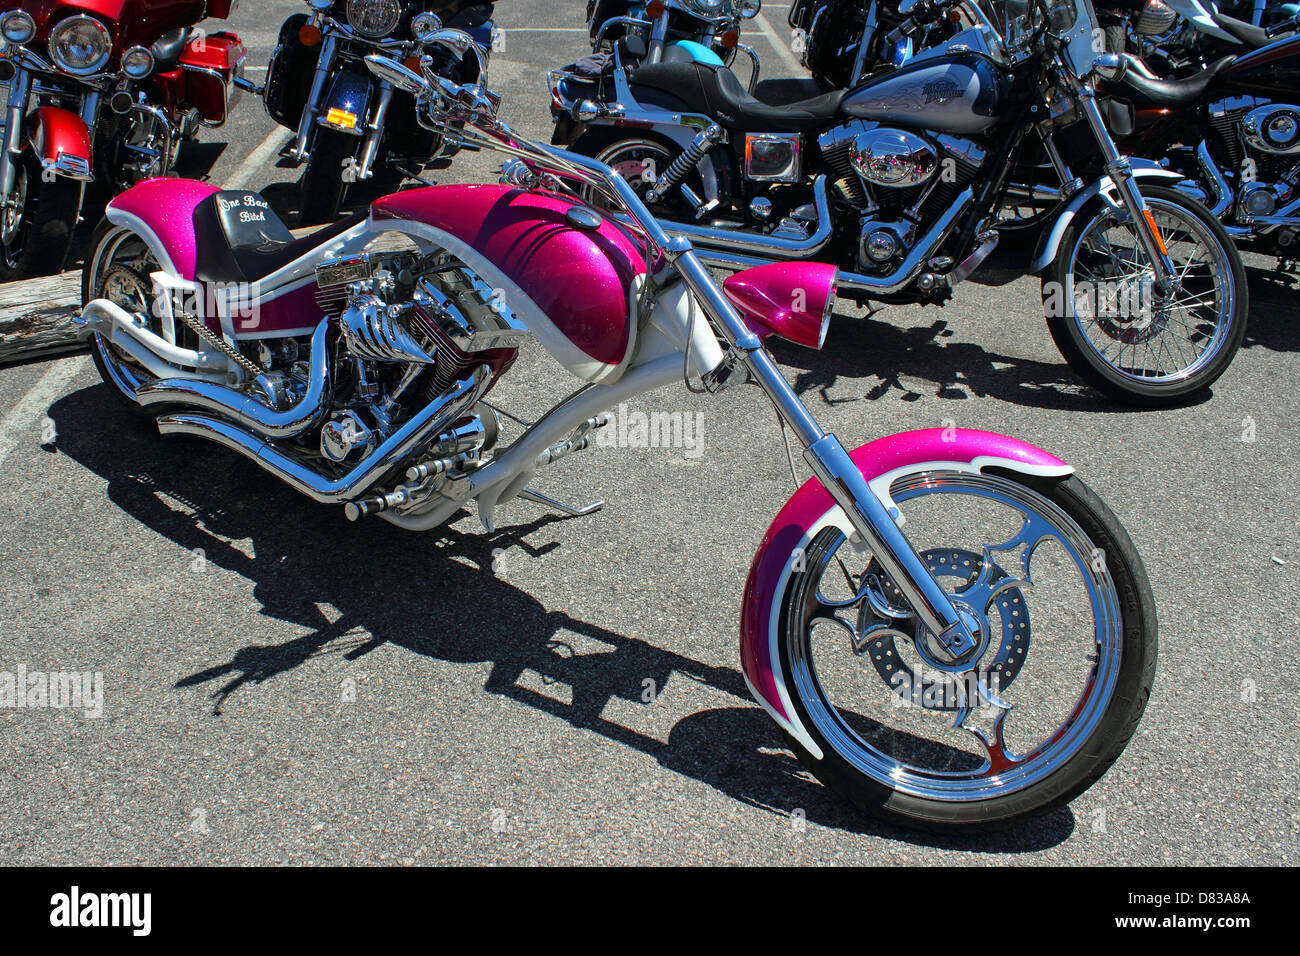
x: 709, y: 8
x: 81, y: 45
x: 424, y: 26
x: 137, y: 62
x: 17, y: 26
x: 374, y: 18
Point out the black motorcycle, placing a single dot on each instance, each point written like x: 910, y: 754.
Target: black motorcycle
x: 900, y: 181
x: 347, y: 122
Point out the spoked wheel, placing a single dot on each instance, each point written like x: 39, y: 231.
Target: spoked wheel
x: 640, y: 160
x: 1052, y: 587
x: 1124, y: 335
x: 118, y: 269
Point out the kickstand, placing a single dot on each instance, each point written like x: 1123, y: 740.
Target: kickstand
x: 412, y: 174
x: 528, y: 494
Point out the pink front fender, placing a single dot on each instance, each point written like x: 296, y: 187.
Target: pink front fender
x: 792, y: 530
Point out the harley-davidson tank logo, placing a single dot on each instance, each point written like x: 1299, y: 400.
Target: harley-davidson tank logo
x: 940, y: 91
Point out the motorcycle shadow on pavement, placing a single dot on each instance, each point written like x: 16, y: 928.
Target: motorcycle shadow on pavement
x: 302, y: 553
x: 860, y: 348
x: 1272, y: 323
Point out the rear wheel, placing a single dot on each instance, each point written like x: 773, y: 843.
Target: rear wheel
x: 641, y: 159
x: 1053, y: 589
x: 118, y: 268
x: 36, y: 227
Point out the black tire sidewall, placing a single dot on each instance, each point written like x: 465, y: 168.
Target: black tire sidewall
x: 1087, y: 765
x: 323, y: 187
x: 49, y: 222
x: 1080, y: 355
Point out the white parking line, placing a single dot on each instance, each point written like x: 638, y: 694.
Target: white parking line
x: 782, y: 47
x: 257, y: 158
x: 17, y: 425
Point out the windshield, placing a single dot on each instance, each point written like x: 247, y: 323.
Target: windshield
x: 1075, y: 24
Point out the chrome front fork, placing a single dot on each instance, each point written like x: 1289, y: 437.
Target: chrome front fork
x: 375, y: 130
x: 324, y: 66
x: 1121, y: 173
x: 11, y: 142
x: 830, y: 462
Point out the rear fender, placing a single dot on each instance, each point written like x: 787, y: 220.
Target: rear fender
x: 61, y: 142
x: 811, y: 509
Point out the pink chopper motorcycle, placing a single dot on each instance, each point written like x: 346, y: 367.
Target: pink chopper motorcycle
x: 986, y: 666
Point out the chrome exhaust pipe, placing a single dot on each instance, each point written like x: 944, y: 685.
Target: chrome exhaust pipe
x: 770, y: 247
x: 110, y: 320
x: 242, y: 409
x: 911, y: 266
x: 1223, y: 195
x: 425, y: 425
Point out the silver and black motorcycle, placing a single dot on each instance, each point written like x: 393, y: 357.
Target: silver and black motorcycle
x: 348, y: 122
x: 900, y: 182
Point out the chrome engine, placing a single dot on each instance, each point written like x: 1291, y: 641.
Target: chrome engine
x: 896, y: 179
x: 1250, y: 170
x: 389, y: 389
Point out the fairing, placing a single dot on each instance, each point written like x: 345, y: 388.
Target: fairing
x: 808, y: 510
x: 133, y: 22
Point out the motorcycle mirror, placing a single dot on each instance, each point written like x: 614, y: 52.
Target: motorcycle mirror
x: 395, y: 73
x: 460, y: 43
x: 457, y: 41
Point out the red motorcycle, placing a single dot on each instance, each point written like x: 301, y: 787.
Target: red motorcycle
x: 103, y: 90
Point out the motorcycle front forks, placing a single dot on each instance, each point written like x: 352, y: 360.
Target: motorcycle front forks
x: 324, y: 65
x: 11, y: 136
x: 825, y: 455
x: 1120, y: 171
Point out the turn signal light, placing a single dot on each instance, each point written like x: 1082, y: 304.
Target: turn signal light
x: 341, y: 119
x: 654, y: 8
x: 309, y: 35
x: 412, y: 63
x: 731, y: 38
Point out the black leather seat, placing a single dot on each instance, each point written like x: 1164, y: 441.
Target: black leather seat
x: 1254, y: 37
x: 1157, y: 94
x: 239, y: 238
x: 717, y: 93
x: 167, y: 49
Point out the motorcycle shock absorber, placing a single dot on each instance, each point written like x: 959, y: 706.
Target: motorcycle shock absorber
x: 681, y: 167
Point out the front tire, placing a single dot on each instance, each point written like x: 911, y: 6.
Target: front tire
x: 1050, y: 698
x: 1115, y: 333
x: 36, y: 233
x: 325, y: 180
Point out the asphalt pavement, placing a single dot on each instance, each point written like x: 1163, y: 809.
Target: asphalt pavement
x: 282, y: 686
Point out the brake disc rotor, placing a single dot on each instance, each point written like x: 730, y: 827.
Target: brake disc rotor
x: 936, y: 689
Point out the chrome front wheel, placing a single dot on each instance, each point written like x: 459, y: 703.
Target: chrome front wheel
x: 1051, y: 585
x: 1118, y: 329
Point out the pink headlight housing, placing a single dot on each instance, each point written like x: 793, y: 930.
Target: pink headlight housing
x: 791, y: 300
